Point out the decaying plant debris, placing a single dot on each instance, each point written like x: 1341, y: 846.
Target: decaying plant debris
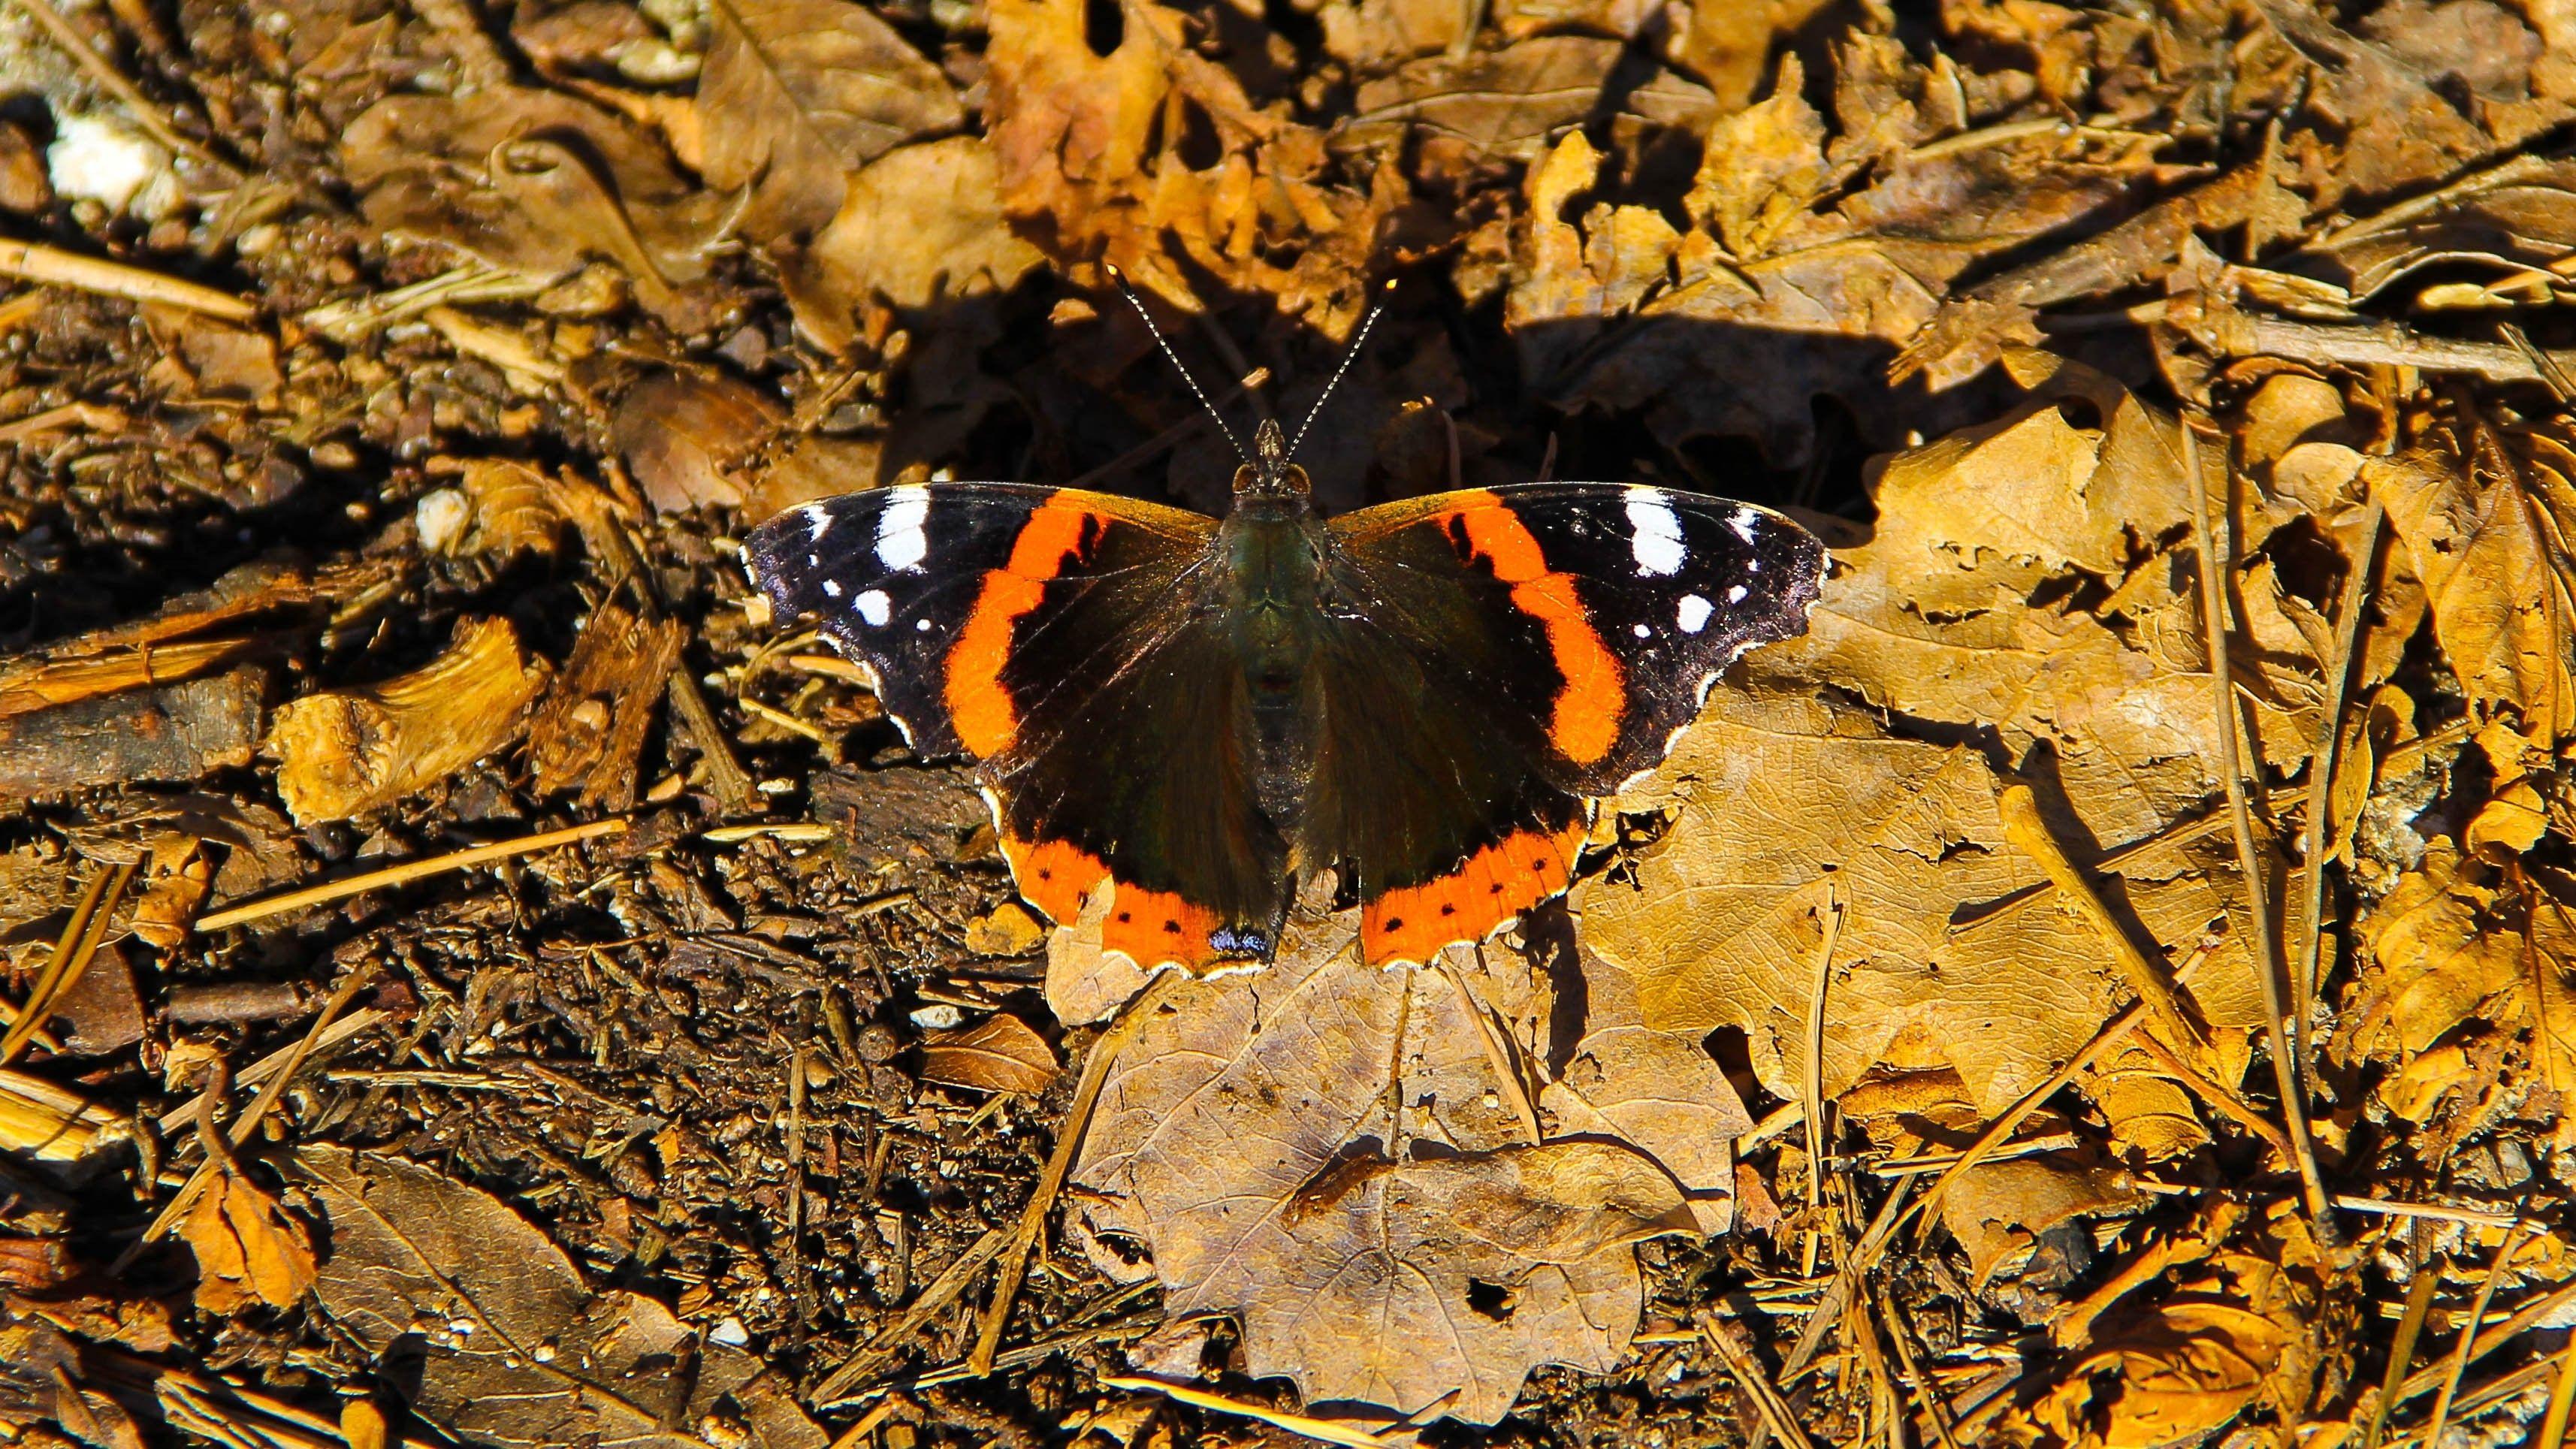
x: 471, y: 977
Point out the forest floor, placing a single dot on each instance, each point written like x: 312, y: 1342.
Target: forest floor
x: 470, y: 975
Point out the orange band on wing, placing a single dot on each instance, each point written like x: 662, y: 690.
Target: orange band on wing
x: 1584, y: 720
x: 1148, y: 927
x: 1490, y: 887
x: 978, y: 703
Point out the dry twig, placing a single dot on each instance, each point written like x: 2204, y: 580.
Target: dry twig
x: 2233, y: 763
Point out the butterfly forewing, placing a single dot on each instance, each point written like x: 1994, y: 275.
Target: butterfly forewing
x: 1034, y: 631
x: 1495, y: 657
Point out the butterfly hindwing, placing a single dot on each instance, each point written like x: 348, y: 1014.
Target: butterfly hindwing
x: 1543, y: 645
x: 1033, y: 630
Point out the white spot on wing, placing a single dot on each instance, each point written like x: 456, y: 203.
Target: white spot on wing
x: 818, y: 521
x: 831, y: 588
x: 902, y: 542
x: 1655, y: 534
x: 874, y: 607
x: 922, y: 625
x: 1693, y: 613
x: 1735, y: 595
x: 1744, y: 521
x: 1642, y: 632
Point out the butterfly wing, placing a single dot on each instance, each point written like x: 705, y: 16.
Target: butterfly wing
x: 1034, y: 631
x: 1496, y: 657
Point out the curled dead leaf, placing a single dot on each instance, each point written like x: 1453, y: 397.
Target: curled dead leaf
x: 248, y: 1249
x: 998, y: 1054
x: 2182, y: 1368
x: 2485, y: 513
x: 341, y: 753
x: 1808, y: 280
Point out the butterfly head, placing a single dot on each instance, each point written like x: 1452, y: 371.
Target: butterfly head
x: 1270, y: 474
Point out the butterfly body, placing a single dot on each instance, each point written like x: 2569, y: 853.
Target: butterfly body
x: 1426, y: 695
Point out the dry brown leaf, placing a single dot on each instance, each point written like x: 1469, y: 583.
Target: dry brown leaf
x: 919, y: 225
x: 2150, y: 1115
x: 796, y: 93
x: 2453, y: 961
x: 1787, y: 283
x: 1007, y: 930
x: 492, y: 174
x: 1374, y: 35
x: 514, y: 1349
x: 2416, y: 94
x: 685, y: 435
x: 1941, y: 615
x: 1095, y: 152
x: 1484, y: 106
x: 2484, y: 513
x: 1339, y: 1218
x: 1729, y: 43
x: 248, y: 1249
x: 176, y: 878
x: 1785, y: 803
x: 2229, y: 1335
x: 2001, y: 1211
x: 998, y: 1054
x: 209, y: 359
x: 342, y: 753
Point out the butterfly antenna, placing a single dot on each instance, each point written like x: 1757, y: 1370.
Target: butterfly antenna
x: 1160, y: 341
x: 1349, y: 355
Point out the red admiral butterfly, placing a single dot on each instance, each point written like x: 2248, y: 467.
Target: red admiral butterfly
x: 1427, y: 694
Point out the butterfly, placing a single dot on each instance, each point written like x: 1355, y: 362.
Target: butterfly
x: 1426, y: 696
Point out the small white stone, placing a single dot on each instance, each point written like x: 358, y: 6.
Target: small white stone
x: 730, y: 1333
x: 937, y: 1016
x: 440, y: 518
x: 1693, y: 614
x: 96, y: 158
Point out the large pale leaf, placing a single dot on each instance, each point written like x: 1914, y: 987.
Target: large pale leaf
x: 1323, y: 1146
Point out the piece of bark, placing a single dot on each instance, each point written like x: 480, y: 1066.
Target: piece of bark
x: 104, y: 1013
x: 343, y: 753
x: 46, y: 683
x: 172, y: 734
x: 591, y: 728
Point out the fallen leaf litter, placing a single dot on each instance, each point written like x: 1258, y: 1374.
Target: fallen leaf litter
x: 462, y: 962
